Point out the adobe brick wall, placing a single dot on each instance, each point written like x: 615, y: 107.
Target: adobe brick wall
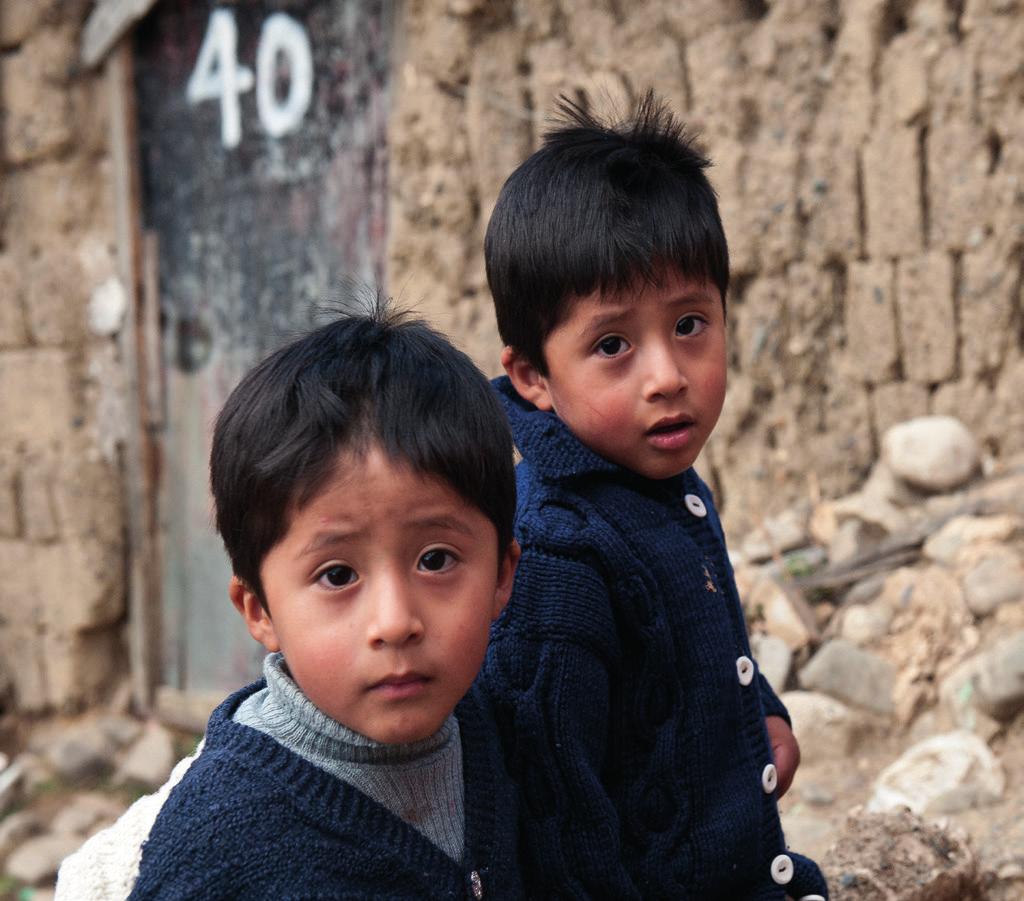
x: 61, y: 537
x: 869, y: 157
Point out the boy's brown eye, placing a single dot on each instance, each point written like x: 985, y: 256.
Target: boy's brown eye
x: 338, y: 576
x: 689, y: 325
x: 435, y: 561
x: 611, y: 345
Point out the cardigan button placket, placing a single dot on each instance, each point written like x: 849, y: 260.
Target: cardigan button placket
x: 695, y: 505
x: 745, y: 670
x: 782, y: 869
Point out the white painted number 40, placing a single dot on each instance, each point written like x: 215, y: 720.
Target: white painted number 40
x: 218, y: 76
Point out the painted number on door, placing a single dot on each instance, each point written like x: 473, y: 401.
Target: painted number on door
x: 219, y: 76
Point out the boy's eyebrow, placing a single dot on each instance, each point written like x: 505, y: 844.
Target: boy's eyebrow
x: 452, y: 523
x: 602, y: 321
x: 324, y: 539
x: 697, y: 297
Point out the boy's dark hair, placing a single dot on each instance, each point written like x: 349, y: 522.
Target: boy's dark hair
x: 598, y: 206
x: 373, y: 378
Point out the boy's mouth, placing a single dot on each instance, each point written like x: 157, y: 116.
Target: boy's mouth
x: 670, y: 425
x: 670, y: 433
x: 401, y: 685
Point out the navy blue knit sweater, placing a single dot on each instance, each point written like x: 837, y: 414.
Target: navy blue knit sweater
x: 631, y: 713
x: 252, y: 820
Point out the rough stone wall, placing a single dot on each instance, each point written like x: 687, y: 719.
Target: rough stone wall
x: 61, y: 530
x: 869, y: 157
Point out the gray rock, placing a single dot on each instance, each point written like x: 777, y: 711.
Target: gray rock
x: 11, y: 777
x: 958, y: 693
x: 996, y: 579
x: 963, y: 531
x: 774, y: 659
x: 844, y: 671
x: 933, y: 453
x: 808, y: 834
x: 17, y: 827
x: 776, y: 535
x: 942, y: 774
x: 83, y: 813
x: 816, y: 794
x: 826, y: 728
x: 999, y: 683
x: 82, y: 752
x: 865, y: 591
x: 122, y: 730
x: 150, y: 759
x: 864, y: 624
x: 784, y: 612
x: 37, y: 860
x: 854, y: 537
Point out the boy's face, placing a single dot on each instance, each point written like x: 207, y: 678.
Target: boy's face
x: 380, y: 595
x: 638, y: 375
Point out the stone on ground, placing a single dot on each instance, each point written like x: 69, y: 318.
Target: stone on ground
x: 826, y: 728
x: 844, y: 671
x: 785, y: 614
x: 999, y: 684
x: 933, y: 453
x: 37, y: 860
x: 942, y: 774
x: 864, y: 624
x: 994, y: 580
x: 774, y: 659
x: 776, y: 535
x: 900, y: 857
x: 150, y: 760
x: 961, y: 532
x: 80, y: 753
x: 84, y: 812
x: 808, y: 834
x: 17, y: 827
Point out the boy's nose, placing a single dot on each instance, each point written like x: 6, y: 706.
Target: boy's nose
x: 395, y: 620
x: 664, y: 376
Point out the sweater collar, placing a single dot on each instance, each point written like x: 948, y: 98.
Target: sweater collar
x: 554, y: 452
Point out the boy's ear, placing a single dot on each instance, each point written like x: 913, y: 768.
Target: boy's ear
x: 256, y: 618
x: 506, y: 575
x: 526, y: 379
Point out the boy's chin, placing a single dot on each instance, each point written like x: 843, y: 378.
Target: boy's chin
x: 659, y: 470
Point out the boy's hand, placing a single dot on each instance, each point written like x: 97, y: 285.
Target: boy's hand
x: 785, y: 750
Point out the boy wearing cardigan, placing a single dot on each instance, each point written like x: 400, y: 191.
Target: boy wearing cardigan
x: 648, y: 747
x: 363, y: 485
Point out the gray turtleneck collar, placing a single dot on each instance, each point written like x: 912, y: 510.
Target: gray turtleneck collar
x: 419, y: 782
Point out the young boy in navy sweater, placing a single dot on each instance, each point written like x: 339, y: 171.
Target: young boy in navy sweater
x: 364, y: 489
x: 648, y: 747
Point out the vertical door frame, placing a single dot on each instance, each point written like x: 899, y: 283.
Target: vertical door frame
x: 140, y: 358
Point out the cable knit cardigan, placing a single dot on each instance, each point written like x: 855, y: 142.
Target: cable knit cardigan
x: 251, y: 819
x: 630, y: 710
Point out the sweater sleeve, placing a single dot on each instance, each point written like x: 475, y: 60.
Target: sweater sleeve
x: 548, y: 673
x: 772, y: 705
x: 105, y: 867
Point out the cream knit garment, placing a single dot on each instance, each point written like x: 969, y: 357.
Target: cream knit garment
x: 106, y: 866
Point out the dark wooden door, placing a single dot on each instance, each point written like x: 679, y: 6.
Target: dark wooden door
x: 262, y: 129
